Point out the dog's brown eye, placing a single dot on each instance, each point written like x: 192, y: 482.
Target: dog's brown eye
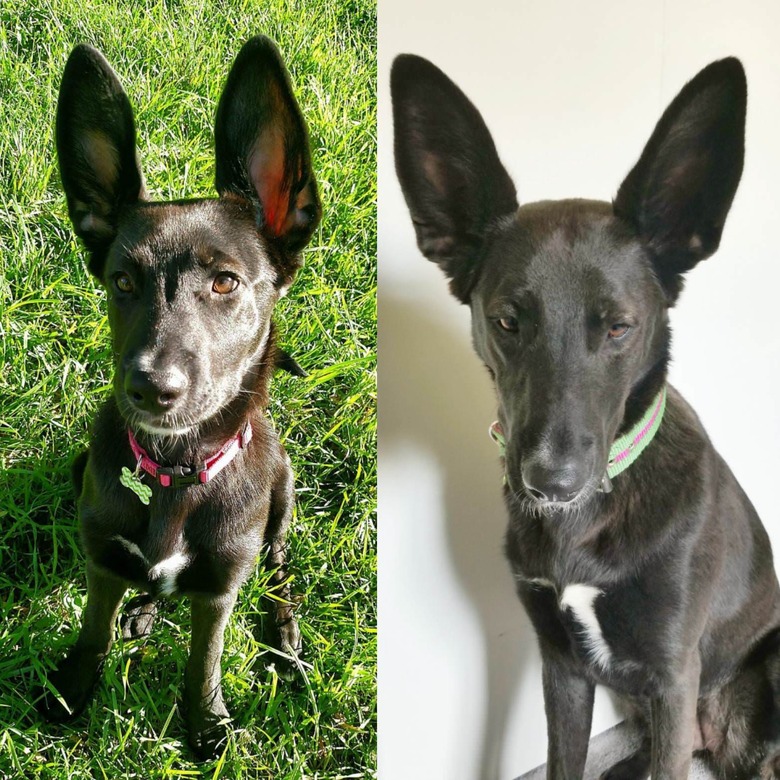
x: 124, y: 283
x: 618, y: 330
x: 224, y: 284
x: 508, y: 324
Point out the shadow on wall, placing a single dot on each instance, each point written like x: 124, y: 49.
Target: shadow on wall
x: 429, y: 399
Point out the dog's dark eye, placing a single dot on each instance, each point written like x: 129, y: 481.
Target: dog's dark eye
x: 618, y: 330
x: 124, y: 283
x: 224, y: 284
x: 508, y: 324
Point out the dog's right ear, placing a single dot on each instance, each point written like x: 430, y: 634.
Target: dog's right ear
x: 262, y: 146
x: 453, y: 181
x: 96, y: 150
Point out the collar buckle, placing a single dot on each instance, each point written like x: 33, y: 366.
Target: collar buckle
x: 179, y: 476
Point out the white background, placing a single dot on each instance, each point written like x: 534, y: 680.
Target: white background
x: 571, y: 91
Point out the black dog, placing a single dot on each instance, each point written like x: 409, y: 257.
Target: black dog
x: 185, y: 480
x: 642, y: 564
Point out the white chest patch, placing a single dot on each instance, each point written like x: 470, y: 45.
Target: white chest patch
x: 164, y: 572
x: 579, y: 599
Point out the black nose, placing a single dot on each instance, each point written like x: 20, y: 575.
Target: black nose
x: 156, y: 392
x: 562, y: 483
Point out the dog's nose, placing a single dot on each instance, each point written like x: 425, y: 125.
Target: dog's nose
x: 157, y: 392
x: 560, y: 484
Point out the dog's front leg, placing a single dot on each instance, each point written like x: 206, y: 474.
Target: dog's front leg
x: 76, y: 675
x: 207, y: 716
x: 568, y: 700
x: 673, y: 718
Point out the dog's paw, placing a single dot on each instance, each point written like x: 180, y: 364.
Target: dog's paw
x: 208, y: 730
x: 289, y: 642
x: 635, y: 767
x: 210, y: 742
x: 74, y: 680
x: 770, y: 768
x: 138, y: 617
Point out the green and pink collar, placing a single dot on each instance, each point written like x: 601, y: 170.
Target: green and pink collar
x: 624, y: 450
x: 179, y: 476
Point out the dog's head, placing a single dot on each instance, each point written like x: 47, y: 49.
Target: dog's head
x: 569, y: 299
x: 191, y: 284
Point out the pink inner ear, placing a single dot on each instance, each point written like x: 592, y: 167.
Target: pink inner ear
x: 102, y: 157
x: 434, y: 172
x: 266, y: 169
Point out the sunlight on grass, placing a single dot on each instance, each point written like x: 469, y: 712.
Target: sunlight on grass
x: 173, y: 58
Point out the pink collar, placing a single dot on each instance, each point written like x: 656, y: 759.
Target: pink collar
x: 181, y: 476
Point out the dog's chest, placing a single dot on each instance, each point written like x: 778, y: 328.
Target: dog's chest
x: 156, y: 553
x: 617, y: 632
x: 574, y: 612
x: 159, y: 565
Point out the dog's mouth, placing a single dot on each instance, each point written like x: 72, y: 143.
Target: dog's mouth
x: 175, y: 425
x: 547, y: 507
x: 167, y: 418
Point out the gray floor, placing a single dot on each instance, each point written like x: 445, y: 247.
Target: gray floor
x: 608, y: 748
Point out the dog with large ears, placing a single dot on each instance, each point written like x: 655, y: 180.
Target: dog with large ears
x: 185, y: 480
x: 641, y: 562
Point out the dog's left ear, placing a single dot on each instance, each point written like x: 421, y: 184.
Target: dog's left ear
x: 679, y: 193
x: 262, y: 146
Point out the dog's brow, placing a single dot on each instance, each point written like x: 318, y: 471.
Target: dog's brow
x: 137, y: 261
x: 606, y: 307
x: 209, y: 257
x: 504, y: 302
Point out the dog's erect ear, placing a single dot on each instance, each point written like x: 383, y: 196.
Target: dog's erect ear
x: 262, y: 146
x: 96, y: 150
x: 679, y: 193
x: 453, y: 181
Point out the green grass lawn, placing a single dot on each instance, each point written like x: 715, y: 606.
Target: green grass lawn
x: 173, y: 58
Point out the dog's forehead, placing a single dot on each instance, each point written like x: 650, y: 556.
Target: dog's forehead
x: 555, y: 249
x: 155, y: 231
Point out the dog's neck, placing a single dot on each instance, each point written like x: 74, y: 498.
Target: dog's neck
x: 643, y: 394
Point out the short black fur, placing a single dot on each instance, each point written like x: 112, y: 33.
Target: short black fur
x: 191, y: 287
x: 663, y: 589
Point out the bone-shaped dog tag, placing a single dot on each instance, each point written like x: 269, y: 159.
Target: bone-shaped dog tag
x: 133, y: 482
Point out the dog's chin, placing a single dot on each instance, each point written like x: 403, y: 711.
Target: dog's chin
x: 163, y: 430
x: 169, y: 426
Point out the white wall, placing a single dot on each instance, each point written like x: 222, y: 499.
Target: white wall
x: 571, y: 91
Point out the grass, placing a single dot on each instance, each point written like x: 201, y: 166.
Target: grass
x: 173, y: 58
